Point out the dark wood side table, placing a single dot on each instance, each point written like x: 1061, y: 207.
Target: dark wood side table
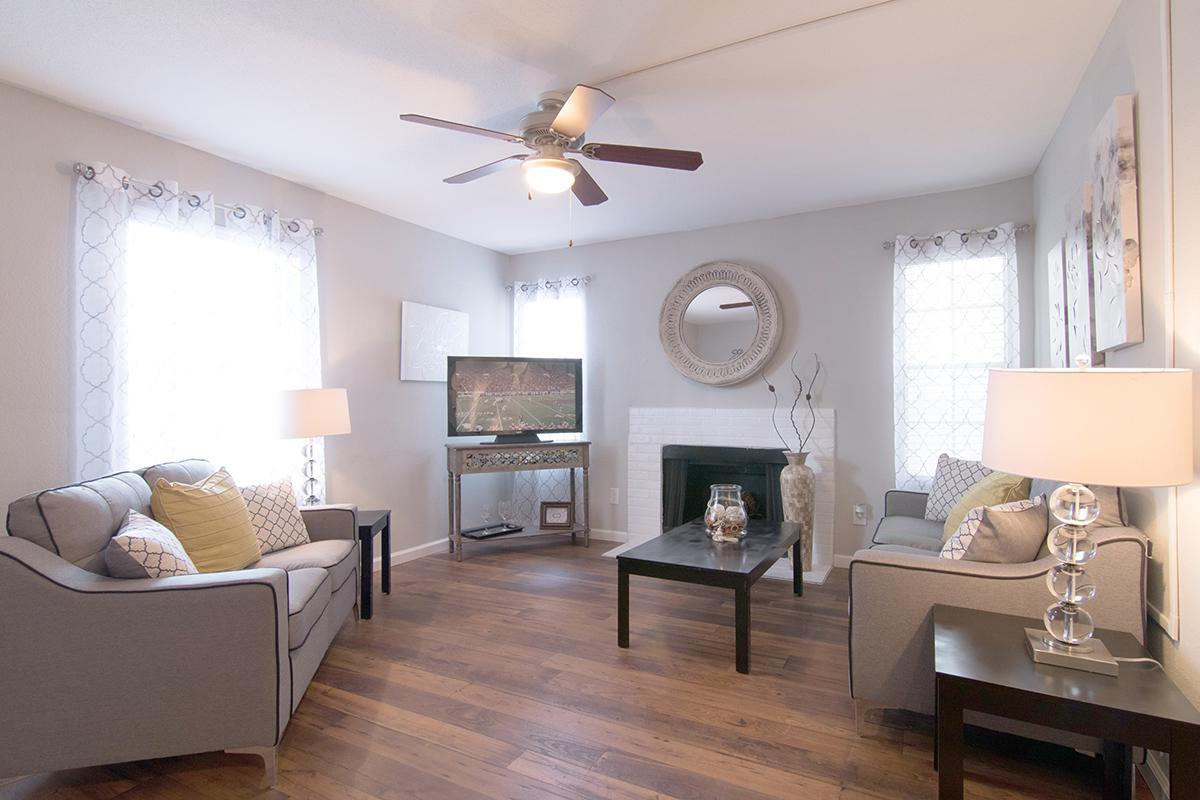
x: 369, y: 524
x: 981, y: 664
x: 688, y: 554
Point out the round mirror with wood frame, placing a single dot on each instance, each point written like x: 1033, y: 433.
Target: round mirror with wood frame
x: 743, y: 362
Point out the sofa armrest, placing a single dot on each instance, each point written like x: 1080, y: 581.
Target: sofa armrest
x: 102, y: 670
x: 904, y: 503
x: 892, y: 595
x: 331, y: 521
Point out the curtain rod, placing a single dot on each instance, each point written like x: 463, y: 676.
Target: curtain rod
x: 584, y: 279
x: 87, y: 172
x: 1016, y: 229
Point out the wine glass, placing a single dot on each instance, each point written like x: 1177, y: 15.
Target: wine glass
x: 485, y: 514
x: 504, y: 507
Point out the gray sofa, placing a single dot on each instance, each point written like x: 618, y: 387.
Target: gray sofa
x: 98, y: 670
x: 895, y: 583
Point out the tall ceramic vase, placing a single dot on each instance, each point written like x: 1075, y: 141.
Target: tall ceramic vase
x: 798, y: 486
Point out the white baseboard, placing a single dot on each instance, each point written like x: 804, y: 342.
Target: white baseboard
x: 439, y: 545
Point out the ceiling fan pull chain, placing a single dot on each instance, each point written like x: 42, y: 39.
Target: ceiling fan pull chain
x: 570, y: 221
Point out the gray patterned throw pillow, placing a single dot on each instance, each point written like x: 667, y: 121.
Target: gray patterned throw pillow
x: 953, y: 478
x: 275, y: 515
x: 143, y: 548
x: 1010, y: 533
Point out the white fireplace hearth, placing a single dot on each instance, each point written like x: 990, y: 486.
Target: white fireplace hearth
x: 651, y: 429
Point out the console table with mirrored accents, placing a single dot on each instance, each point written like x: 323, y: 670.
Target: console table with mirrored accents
x: 479, y: 459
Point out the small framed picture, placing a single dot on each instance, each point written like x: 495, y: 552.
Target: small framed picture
x: 557, y: 515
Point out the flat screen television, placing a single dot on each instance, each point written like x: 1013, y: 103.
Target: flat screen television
x: 514, y: 399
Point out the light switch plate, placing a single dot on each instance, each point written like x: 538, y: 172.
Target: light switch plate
x: 614, y: 496
x: 860, y: 513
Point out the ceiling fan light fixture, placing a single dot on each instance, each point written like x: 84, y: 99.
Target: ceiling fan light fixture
x: 549, y: 175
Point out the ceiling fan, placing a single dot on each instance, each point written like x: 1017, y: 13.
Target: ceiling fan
x: 556, y: 129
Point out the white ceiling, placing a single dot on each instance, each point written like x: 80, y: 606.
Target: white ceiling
x: 902, y: 98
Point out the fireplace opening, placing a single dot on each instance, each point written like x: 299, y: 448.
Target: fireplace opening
x: 689, y: 470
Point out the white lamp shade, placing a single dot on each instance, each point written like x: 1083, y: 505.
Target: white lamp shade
x: 1106, y: 427
x: 306, y: 413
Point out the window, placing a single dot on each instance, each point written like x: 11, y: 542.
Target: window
x: 956, y: 316
x: 189, y: 319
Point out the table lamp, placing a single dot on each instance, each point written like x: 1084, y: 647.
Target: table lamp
x: 1106, y: 427
x: 307, y: 414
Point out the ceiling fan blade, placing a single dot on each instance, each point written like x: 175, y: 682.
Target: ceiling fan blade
x: 584, y: 106
x: 646, y: 156
x: 486, y: 169
x: 586, y: 188
x: 421, y: 119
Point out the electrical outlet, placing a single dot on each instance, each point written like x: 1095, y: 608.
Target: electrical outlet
x: 614, y: 496
x: 860, y: 513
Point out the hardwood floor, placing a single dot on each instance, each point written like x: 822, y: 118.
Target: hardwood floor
x: 500, y: 678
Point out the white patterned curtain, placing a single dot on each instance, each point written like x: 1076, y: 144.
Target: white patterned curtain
x: 189, y: 315
x: 549, y: 321
x: 956, y: 315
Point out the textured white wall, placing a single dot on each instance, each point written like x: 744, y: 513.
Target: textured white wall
x: 834, y: 281
x: 368, y: 263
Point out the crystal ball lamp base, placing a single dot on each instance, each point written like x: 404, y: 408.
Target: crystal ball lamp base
x: 1068, y: 624
x: 311, y: 486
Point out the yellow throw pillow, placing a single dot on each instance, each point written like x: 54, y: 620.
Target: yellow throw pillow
x: 210, y: 519
x: 996, y: 489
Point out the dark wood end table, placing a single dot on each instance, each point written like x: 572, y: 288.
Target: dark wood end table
x: 369, y: 524
x: 688, y: 554
x: 981, y: 664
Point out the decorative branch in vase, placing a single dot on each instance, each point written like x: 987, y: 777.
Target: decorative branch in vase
x: 797, y: 483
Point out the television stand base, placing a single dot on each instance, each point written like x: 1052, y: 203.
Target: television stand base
x: 516, y: 438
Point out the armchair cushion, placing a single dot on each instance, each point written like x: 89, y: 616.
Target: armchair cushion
x: 308, y: 595
x: 913, y: 532
x: 334, y: 555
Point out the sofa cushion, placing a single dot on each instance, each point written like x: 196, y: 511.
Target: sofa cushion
x: 275, y: 515
x: 923, y: 534
x: 334, y: 555
x: 142, y: 548
x: 953, y: 478
x: 77, y: 521
x: 309, y: 590
x: 210, y: 518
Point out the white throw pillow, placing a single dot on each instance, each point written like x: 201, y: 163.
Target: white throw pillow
x: 1011, y: 533
x: 954, y: 477
x: 275, y: 516
x: 143, y: 548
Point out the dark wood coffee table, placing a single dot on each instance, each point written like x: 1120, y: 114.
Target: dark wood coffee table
x: 981, y: 664
x: 688, y: 554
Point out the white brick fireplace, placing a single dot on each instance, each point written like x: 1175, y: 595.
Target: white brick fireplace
x: 650, y: 429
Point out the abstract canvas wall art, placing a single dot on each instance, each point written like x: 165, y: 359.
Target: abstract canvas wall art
x: 1116, y: 260
x: 1057, y: 286
x: 1078, y: 276
x: 428, y: 334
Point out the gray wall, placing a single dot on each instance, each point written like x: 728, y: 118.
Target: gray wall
x: 368, y: 263
x: 1129, y: 60
x: 834, y: 280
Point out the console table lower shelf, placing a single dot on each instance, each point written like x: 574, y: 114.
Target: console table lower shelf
x: 482, y: 459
